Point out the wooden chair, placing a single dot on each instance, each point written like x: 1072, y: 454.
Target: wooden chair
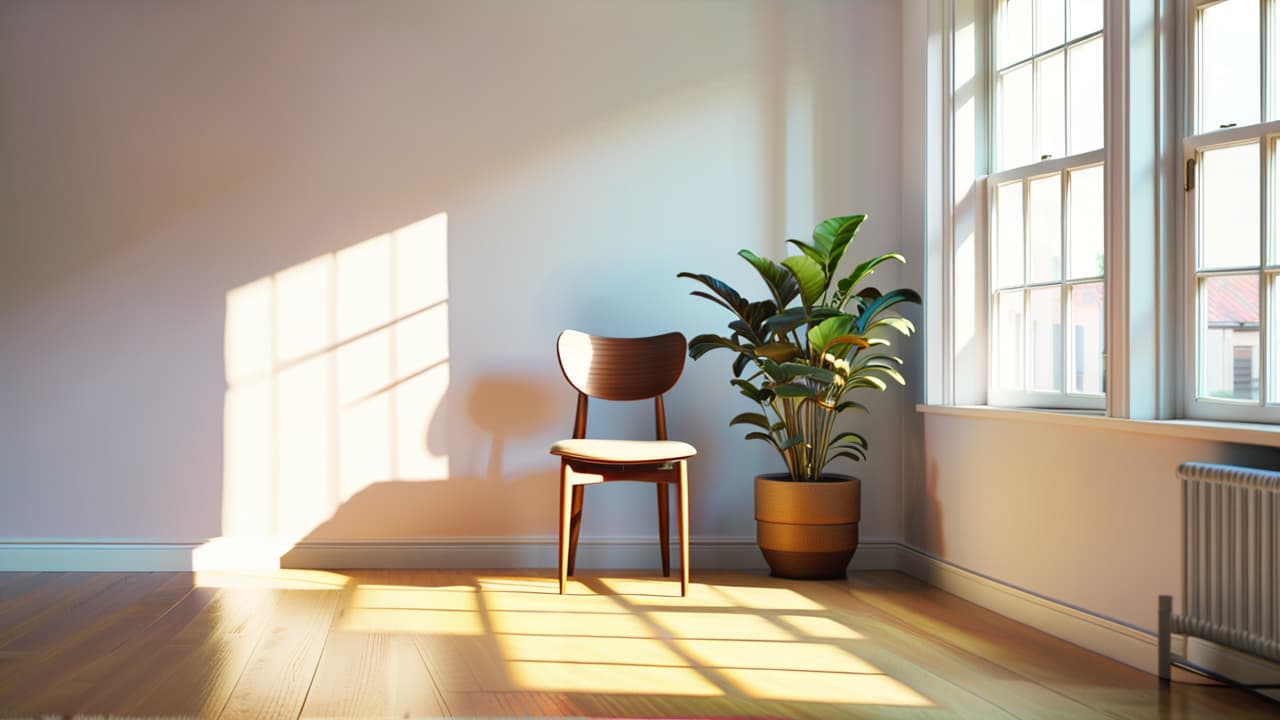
x: 622, y: 369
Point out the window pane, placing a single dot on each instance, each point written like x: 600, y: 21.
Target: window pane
x: 1045, y: 315
x: 1015, y: 41
x: 1050, y: 110
x: 1229, y: 232
x: 1015, y: 117
x: 1044, y: 228
x: 1085, y: 103
x: 1273, y: 344
x: 1229, y: 358
x: 1009, y: 257
x: 1050, y: 21
x: 1273, y: 206
x: 1086, y: 17
x: 1088, y: 328
x: 1229, y: 83
x: 1009, y: 340
x: 1085, y: 222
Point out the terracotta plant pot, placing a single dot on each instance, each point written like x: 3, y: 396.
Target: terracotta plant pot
x: 808, y: 530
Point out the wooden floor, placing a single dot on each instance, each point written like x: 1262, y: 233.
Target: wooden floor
x: 439, y: 643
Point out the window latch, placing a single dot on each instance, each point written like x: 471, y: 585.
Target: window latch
x: 1190, y: 183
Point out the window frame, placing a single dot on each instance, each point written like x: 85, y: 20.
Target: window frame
x: 1063, y: 399
x: 1192, y: 143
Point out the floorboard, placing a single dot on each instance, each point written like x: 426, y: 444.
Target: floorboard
x: 436, y: 643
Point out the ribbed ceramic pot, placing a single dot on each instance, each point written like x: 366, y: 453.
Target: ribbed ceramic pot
x: 808, y: 530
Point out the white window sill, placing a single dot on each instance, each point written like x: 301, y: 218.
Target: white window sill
x: 1248, y: 433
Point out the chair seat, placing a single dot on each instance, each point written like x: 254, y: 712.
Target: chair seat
x: 623, y: 451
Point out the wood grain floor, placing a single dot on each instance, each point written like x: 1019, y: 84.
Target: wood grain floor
x: 426, y: 643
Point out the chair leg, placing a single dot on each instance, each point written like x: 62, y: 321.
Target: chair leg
x: 682, y: 498
x: 575, y: 525
x: 564, y: 524
x: 664, y: 527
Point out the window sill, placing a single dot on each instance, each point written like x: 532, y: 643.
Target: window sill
x: 1247, y: 433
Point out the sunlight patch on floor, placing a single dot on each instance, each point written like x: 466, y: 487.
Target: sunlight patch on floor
x: 718, y: 626
x: 823, y: 687
x: 609, y: 625
x: 754, y: 654
x: 407, y: 620
x: 621, y: 679
x: 272, y: 579
x: 820, y: 627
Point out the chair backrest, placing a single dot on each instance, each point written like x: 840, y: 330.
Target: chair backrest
x: 620, y: 369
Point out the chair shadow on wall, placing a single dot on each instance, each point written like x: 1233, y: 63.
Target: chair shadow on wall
x: 508, y: 410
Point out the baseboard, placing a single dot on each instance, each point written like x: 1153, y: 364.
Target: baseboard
x: 537, y: 552
x: 1104, y: 636
x: 1241, y: 667
x: 99, y: 556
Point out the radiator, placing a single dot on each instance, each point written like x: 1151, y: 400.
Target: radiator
x: 1231, y: 561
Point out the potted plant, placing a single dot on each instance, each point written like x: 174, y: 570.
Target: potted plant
x: 800, y: 352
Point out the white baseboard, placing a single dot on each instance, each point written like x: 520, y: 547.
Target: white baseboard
x: 1241, y: 667
x: 1104, y: 636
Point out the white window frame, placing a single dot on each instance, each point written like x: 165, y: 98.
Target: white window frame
x: 1142, y: 280
x: 1064, y: 399
x: 1192, y: 145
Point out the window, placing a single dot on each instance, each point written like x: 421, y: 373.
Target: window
x: 1045, y: 206
x: 1232, y: 155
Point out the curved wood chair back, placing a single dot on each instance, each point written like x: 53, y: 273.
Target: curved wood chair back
x: 621, y: 368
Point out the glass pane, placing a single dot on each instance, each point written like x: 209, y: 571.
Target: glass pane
x: 1088, y: 339
x: 1229, y: 232
x: 1009, y: 258
x: 1229, y: 357
x: 1050, y: 21
x: 1044, y: 228
x: 1085, y: 222
x: 1045, y: 328
x: 1273, y: 344
x: 1015, y: 117
x: 1085, y: 103
x: 1273, y: 206
x: 1229, y: 87
x: 1009, y: 340
x: 1050, y: 110
x: 1086, y: 17
x: 1015, y: 41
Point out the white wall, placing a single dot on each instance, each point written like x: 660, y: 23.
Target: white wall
x: 1087, y: 517
x: 186, y: 184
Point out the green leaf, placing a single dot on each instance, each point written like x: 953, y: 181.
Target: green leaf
x: 778, y: 351
x: 760, y: 395
x: 813, y: 253
x: 850, y: 281
x: 813, y: 283
x: 747, y: 418
x: 724, y: 295
x: 762, y: 436
x: 882, y: 303
x: 844, y: 454
x: 787, y: 320
x: 898, y: 323
x: 791, y: 390
x: 833, y: 236
x: 833, y: 336
x: 703, y: 344
x: 788, y: 443
x: 850, y: 437
x: 781, y: 283
x: 797, y: 370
